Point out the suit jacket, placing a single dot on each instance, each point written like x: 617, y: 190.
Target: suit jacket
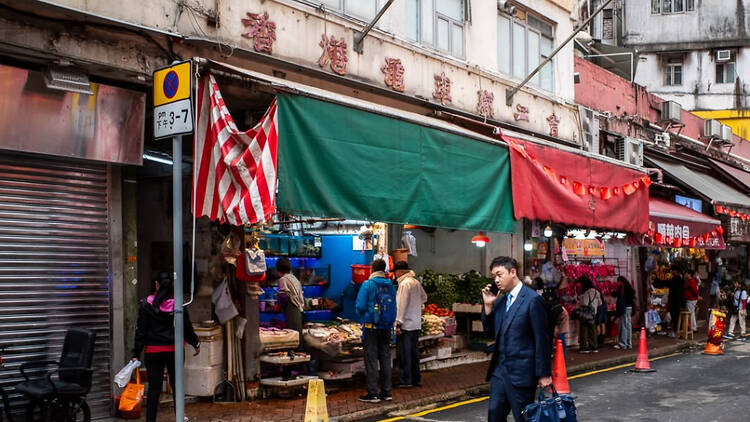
x: 522, y: 347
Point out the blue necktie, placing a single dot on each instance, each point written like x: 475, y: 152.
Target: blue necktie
x: 507, y: 303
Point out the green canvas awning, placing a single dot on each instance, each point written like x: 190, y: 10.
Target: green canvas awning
x: 338, y: 161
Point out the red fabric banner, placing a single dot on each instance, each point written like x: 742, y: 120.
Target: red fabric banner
x: 562, y: 187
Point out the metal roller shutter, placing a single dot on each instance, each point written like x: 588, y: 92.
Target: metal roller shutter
x: 54, y: 265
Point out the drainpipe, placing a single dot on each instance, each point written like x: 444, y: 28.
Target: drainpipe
x: 509, y: 94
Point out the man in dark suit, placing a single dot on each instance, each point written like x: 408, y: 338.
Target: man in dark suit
x: 521, y: 356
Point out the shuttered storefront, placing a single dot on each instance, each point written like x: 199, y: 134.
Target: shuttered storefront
x: 54, y: 264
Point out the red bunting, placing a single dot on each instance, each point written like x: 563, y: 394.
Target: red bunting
x: 659, y: 238
x: 719, y: 209
x: 550, y: 172
x: 578, y: 188
x: 615, y: 191
x: 720, y: 229
x: 628, y: 189
x: 605, y: 193
x: 646, y: 181
x: 592, y: 190
x: 563, y: 180
x: 677, y: 242
x: 692, y: 242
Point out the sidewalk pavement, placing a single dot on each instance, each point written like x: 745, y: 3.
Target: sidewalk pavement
x: 437, y: 386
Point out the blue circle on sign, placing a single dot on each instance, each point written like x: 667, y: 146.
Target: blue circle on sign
x: 171, y: 83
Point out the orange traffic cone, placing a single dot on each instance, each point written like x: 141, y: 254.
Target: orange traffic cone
x: 641, y: 364
x: 712, y: 349
x: 559, y: 372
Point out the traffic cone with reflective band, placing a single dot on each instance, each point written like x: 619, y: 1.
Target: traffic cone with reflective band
x: 641, y: 364
x: 316, y: 409
x: 559, y: 372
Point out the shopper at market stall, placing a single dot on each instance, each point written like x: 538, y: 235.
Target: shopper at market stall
x: 376, y: 306
x: 589, y: 303
x: 409, y: 300
x: 291, y: 298
x: 521, y: 354
x: 692, y: 296
x: 738, y: 309
x: 676, y: 297
x: 625, y: 303
x: 155, y: 333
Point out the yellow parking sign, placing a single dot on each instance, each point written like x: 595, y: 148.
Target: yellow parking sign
x: 172, y: 83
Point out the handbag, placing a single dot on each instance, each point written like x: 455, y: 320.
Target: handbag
x: 584, y: 313
x: 255, y: 262
x: 130, y: 401
x: 558, y: 408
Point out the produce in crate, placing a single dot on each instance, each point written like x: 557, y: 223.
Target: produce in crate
x: 432, y: 325
x: 438, y: 311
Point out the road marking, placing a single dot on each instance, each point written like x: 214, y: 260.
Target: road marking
x: 479, y: 399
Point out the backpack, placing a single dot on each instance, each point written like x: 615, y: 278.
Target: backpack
x: 385, y: 307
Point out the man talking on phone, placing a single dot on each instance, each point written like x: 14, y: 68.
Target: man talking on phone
x: 521, y: 354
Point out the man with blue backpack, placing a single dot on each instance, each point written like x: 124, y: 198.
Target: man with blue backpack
x: 376, y: 306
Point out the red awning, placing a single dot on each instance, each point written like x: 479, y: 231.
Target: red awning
x: 670, y: 221
x: 554, y: 185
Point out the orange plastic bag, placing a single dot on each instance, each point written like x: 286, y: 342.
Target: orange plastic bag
x: 131, y: 399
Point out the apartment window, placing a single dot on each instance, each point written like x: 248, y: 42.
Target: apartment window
x: 523, y: 42
x: 361, y: 9
x: 673, y: 75
x: 672, y: 6
x: 608, y: 30
x: 437, y: 23
x: 725, y: 73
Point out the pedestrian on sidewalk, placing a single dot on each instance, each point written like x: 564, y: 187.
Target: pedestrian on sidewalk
x: 625, y: 302
x: 409, y: 300
x: 376, y: 306
x: 692, y: 296
x: 154, y: 332
x: 521, y: 353
x: 738, y: 309
x: 589, y: 303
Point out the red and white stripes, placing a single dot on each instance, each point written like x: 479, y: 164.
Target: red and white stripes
x: 234, y: 173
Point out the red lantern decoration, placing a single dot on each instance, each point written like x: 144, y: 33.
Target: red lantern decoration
x: 659, y: 238
x: 692, y: 242
x: 668, y: 240
x: 677, y: 243
x: 578, y: 188
x: 713, y: 233
x: 719, y: 209
x: 628, y: 189
x: 720, y: 229
x: 646, y: 181
x: 605, y: 193
x: 706, y: 237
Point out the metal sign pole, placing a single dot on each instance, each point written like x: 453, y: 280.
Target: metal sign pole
x: 179, y: 322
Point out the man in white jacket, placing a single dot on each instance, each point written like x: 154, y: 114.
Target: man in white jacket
x: 409, y: 300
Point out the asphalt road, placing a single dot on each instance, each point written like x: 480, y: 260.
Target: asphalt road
x: 686, y: 388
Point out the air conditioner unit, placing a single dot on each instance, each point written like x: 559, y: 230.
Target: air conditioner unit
x: 590, y: 129
x: 723, y: 55
x: 671, y: 112
x: 726, y: 133
x: 629, y: 150
x: 712, y: 129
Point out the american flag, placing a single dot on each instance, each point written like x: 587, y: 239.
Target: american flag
x: 234, y: 173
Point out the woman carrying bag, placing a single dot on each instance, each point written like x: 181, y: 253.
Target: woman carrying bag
x: 155, y: 333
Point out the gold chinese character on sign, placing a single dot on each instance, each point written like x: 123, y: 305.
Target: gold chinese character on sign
x: 442, y: 88
x: 261, y: 30
x: 394, y: 74
x: 485, y: 100
x: 553, y: 122
x: 334, y: 52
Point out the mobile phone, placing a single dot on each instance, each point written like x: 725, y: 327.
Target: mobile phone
x: 494, y: 289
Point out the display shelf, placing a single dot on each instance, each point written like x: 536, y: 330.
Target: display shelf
x: 432, y: 337
x: 337, y: 376
x: 428, y: 359
x: 284, y: 360
x: 278, y: 382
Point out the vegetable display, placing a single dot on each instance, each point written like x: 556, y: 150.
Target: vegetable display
x: 437, y: 311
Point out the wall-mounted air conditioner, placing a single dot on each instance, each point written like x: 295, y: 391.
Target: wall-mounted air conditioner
x: 629, y: 150
x: 712, y: 129
x: 723, y: 55
x: 726, y: 133
x: 590, y: 129
x: 671, y: 112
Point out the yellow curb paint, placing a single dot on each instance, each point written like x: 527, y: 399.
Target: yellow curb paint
x: 479, y: 399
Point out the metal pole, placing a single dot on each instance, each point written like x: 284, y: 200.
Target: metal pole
x: 509, y: 94
x: 179, y: 329
x: 359, y: 37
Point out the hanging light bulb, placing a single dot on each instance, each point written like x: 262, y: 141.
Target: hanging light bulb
x: 480, y: 240
x: 547, y: 231
x: 527, y: 246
